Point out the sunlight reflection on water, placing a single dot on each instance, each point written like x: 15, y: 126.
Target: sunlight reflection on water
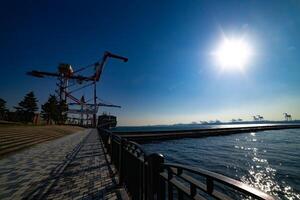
x: 266, y: 160
x: 262, y: 175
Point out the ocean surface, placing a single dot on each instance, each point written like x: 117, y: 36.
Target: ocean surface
x: 267, y: 160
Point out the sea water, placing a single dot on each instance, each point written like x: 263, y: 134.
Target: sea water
x: 267, y: 160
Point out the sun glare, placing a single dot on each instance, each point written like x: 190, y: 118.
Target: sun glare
x: 233, y: 54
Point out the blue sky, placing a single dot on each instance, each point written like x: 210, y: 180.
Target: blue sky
x: 171, y: 76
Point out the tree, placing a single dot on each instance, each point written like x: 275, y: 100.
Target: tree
x: 53, y: 110
x: 3, y: 109
x: 12, y: 116
x: 49, y: 110
x: 27, y: 107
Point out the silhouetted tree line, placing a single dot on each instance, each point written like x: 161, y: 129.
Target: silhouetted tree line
x: 24, y: 110
x: 53, y: 111
x: 3, y: 110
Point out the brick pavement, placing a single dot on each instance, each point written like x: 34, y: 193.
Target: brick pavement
x: 72, y: 167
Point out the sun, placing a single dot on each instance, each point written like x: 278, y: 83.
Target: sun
x: 233, y: 54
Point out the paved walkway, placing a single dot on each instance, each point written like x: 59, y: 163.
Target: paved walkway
x: 72, y: 167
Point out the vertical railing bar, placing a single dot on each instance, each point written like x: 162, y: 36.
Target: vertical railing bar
x: 180, y: 194
x: 140, y: 179
x: 209, y: 185
x: 179, y: 171
x: 170, y: 191
x: 193, y: 190
x: 162, y: 189
x: 121, y: 163
x: 170, y: 187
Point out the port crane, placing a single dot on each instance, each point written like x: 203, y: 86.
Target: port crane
x: 255, y: 118
x: 65, y: 73
x: 287, y: 117
x: 258, y: 118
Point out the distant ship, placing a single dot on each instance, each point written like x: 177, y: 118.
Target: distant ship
x: 107, y: 121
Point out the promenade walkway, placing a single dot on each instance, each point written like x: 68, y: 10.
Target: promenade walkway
x: 72, y: 167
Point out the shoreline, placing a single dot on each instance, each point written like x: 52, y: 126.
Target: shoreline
x: 149, y: 136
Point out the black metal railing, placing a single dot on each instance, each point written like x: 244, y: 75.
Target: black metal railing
x: 149, y: 177
x: 181, y: 182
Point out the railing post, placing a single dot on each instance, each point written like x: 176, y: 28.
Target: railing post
x: 209, y: 185
x: 161, y: 186
x: 170, y: 187
x: 109, y: 148
x: 121, y: 164
x: 154, y: 168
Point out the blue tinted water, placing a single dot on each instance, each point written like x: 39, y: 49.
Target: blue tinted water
x: 268, y: 160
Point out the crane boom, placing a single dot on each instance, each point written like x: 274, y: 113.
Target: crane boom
x: 99, y: 104
x: 99, y: 66
x: 41, y: 74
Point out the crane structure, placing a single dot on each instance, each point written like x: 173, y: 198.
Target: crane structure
x: 87, y: 108
x: 258, y: 118
x: 287, y: 117
x: 65, y: 74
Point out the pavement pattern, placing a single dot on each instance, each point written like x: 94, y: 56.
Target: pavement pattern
x: 73, y: 167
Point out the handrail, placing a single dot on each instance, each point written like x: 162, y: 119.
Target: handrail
x: 241, y: 187
x: 137, y: 148
x: 146, y: 175
x: 126, y: 142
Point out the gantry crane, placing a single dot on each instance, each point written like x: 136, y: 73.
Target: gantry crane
x: 258, y: 118
x: 66, y: 73
x: 287, y: 117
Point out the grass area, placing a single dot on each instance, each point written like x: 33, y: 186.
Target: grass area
x: 16, y: 137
